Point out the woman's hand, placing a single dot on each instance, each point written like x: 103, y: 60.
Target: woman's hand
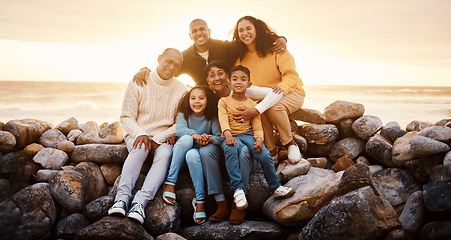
x: 140, y: 77
x: 279, y: 46
x: 245, y: 115
x: 277, y: 89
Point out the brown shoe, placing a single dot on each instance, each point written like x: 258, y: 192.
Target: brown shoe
x: 222, y: 212
x: 236, y: 216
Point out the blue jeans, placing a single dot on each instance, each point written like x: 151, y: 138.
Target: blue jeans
x: 197, y: 156
x: 263, y: 158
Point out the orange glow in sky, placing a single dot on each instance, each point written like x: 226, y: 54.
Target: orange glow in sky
x: 334, y: 42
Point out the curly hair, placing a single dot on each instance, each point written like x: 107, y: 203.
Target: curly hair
x: 211, y: 110
x: 264, y: 39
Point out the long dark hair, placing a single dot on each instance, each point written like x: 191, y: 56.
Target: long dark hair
x: 264, y: 39
x: 211, y: 110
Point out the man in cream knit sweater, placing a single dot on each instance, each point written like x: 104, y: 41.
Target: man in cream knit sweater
x: 148, y: 117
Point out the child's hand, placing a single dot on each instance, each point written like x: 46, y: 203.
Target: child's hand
x: 204, y: 139
x: 258, y: 144
x: 230, y: 141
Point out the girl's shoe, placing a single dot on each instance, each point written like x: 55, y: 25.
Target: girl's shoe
x: 222, y: 212
x: 239, y: 198
x: 283, y: 192
x: 198, y: 215
x: 168, y: 194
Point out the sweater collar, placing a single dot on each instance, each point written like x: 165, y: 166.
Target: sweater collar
x: 157, y: 79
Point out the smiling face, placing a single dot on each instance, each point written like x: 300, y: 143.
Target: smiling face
x: 247, y: 32
x: 239, y: 81
x: 198, y: 101
x: 217, y: 79
x: 200, y: 34
x: 169, y: 64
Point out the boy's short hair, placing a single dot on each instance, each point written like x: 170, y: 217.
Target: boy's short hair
x: 241, y: 68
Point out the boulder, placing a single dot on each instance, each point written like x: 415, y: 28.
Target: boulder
x: 421, y: 168
x: 319, y: 162
x: 380, y: 149
x: 170, y: 236
x: 301, y: 142
x: 412, y: 215
x: 98, y: 208
x: 447, y: 159
x: 441, y: 173
x: 319, y: 134
x: 313, y: 191
x: 99, y: 153
x: 355, y: 177
x: 88, y: 137
x: 74, y: 134
x: 67, y: 227
x: 319, y: 150
x: 7, y: 141
x: 402, y: 150
x: 161, y: 217
x: 111, y: 227
x: 309, y: 116
x: 67, y: 125
x: 112, y: 133
x: 110, y: 172
x: 340, y: 110
x: 437, y: 197
x: 424, y: 146
x: 287, y: 170
x: 43, y: 175
x: 26, y: 131
x: 51, y: 138
x: 66, y: 146
x: 342, y: 164
x: 33, y: 148
x: 89, y: 126
x: 392, y: 131
x: 439, y: 133
x: 351, y: 147
x: 437, y: 230
x: 360, y: 214
x: 69, y: 189
x: 416, y: 125
x: 94, y: 178
x: 345, y: 128
x: 366, y: 126
x: 51, y: 158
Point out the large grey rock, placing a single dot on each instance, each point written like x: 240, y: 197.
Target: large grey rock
x: 110, y: 172
x: 10, y: 220
x: 287, y: 170
x: 437, y: 230
x: 366, y: 126
x: 421, y: 168
x: 112, y: 133
x: 355, y: 177
x: 161, y: 217
x: 37, y: 211
x: 340, y: 110
x: 7, y: 141
x: 226, y: 231
x: 99, y: 153
x: 396, y: 185
x: 313, y: 191
x: 26, y: 131
x: 94, y: 178
x: 437, y: 196
x: 392, y: 131
x: 439, y: 133
x: 319, y: 134
x: 88, y: 137
x: 51, y: 138
x: 69, y: 189
x: 380, y: 149
x: 111, y: 227
x: 98, y: 208
x: 441, y: 173
x: 447, y: 159
x: 67, y: 227
x: 360, y: 214
x: 43, y: 175
x: 68, y: 125
x: 416, y: 125
x: 51, y: 158
x: 170, y: 236
x: 301, y: 142
x: 350, y: 147
x: 66, y: 146
x: 319, y: 150
x: 74, y: 134
x: 345, y: 128
x: 89, y: 126
x: 412, y: 215
x: 424, y: 146
x: 402, y: 150
x: 308, y: 115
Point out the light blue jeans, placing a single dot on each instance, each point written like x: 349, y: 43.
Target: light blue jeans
x: 233, y: 164
x: 200, y: 159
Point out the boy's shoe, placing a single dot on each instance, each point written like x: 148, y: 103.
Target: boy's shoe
x: 294, y: 155
x: 239, y: 198
x: 136, y: 212
x: 283, y: 192
x: 119, y: 207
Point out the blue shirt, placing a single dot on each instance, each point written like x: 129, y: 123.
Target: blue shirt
x: 199, y: 125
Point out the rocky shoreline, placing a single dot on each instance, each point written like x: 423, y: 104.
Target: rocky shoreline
x: 358, y: 179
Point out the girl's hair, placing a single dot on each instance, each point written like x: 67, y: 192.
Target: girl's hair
x: 211, y: 110
x: 216, y: 63
x: 265, y: 38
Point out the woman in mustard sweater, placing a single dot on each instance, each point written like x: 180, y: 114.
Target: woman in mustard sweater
x: 252, y: 41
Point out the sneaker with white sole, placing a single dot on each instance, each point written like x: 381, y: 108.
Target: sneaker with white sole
x: 294, y: 155
x: 239, y: 198
x: 119, y: 207
x: 283, y: 192
x: 136, y: 212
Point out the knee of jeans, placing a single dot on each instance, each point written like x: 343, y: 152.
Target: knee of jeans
x: 185, y: 141
x: 192, y: 156
x: 209, y: 151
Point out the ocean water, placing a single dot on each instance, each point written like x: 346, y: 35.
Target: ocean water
x: 101, y: 102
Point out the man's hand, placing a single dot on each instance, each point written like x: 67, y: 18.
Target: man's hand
x: 171, y: 140
x: 279, y: 46
x: 143, y: 139
x: 258, y: 144
x: 140, y: 77
x: 245, y: 115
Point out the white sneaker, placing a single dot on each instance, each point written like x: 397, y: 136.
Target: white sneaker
x: 119, y: 207
x: 239, y: 198
x: 283, y: 192
x: 136, y: 212
x: 294, y: 155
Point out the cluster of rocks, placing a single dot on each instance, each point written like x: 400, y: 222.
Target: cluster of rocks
x: 358, y: 179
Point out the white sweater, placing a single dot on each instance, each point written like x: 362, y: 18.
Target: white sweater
x: 152, y: 110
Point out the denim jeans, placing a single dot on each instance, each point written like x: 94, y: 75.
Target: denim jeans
x: 263, y: 158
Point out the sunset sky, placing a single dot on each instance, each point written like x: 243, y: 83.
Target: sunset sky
x: 334, y: 42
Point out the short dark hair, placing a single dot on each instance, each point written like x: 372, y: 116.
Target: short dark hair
x: 241, y: 68
x: 197, y: 20
x: 216, y: 63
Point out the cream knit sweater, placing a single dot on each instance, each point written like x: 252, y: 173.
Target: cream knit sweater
x: 152, y: 110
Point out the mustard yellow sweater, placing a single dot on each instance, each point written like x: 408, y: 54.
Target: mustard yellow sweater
x: 272, y: 70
